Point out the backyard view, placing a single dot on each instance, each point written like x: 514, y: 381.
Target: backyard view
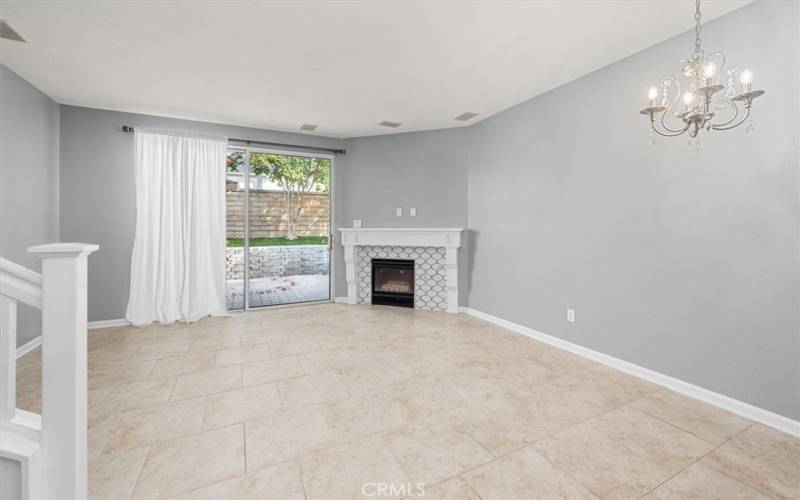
x: 287, y: 220
x: 279, y: 241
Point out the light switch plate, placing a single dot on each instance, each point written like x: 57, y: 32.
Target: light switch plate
x: 357, y: 223
x: 412, y: 212
x: 571, y: 315
x: 399, y: 212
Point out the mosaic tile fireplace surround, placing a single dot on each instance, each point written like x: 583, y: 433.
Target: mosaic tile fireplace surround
x: 435, y: 256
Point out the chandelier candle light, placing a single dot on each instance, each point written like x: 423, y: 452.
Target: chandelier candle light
x: 696, y: 83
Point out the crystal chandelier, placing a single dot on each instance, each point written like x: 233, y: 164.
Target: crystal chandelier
x: 691, y: 99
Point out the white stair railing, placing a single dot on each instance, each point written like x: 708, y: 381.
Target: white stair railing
x: 52, y: 448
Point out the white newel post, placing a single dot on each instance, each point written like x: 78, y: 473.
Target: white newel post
x: 64, y: 359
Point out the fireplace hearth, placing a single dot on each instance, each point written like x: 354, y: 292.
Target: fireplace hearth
x: 393, y: 282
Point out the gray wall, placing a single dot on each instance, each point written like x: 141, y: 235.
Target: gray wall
x: 424, y: 170
x: 683, y: 262
x: 97, y: 190
x: 28, y: 180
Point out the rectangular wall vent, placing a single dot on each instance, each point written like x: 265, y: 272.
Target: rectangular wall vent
x: 308, y: 126
x: 389, y: 124
x: 466, y: 116
x: 8, y: 33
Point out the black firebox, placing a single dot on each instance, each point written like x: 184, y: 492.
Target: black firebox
x: 393, y: 282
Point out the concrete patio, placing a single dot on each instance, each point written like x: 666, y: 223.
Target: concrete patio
x: 278, y: 290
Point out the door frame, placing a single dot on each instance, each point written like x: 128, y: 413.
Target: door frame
x: 331, y: 217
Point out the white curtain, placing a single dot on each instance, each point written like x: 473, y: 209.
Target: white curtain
x: 178, y: 261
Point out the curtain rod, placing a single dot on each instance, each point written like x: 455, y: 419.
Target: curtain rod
x: 126, y: 128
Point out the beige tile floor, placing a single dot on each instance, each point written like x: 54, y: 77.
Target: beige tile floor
x: 338, y: 402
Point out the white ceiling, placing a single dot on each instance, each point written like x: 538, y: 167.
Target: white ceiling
x: 342, y: 65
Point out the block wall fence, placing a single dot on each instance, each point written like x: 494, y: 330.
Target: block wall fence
x: 268, y: 217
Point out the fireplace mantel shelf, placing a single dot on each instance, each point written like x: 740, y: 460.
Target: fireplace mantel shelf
x: 400, y: 229
x: 448, y: 238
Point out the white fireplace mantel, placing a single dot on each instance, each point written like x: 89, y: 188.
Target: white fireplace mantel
x: 448, y: 238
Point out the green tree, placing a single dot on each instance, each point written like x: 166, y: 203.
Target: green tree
x: 234, y: 161
x: 297, y: 176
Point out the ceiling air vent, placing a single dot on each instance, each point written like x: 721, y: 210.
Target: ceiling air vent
x: 8, y: 33
x: 389, y: 124
x: 309, y: 127
x: 466, y: 116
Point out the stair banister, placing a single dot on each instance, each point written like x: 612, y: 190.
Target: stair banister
x: 64, y: 368
x: 20, y: 431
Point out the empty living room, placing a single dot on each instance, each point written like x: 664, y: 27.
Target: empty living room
x: 408, y: 249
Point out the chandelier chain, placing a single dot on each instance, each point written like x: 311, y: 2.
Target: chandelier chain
x: 698, y: 41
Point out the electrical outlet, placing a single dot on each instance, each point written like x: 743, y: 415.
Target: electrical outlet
x: 399, y: 212
x: 571, y: 315
x: 412, y: 212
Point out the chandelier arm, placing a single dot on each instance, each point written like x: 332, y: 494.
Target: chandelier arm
x: 670, y: 132
x: 744, y: 118
x: 730, y: 103
x: 678, y: 92
x: 669, y: 129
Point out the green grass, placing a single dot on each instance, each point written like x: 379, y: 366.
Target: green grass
x: 279, y: 241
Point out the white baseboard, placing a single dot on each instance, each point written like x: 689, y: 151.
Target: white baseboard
x: 741, y: 408
x: 107, y: 323
x: 342, y: 300
x: 29, y: 346
x: 33, y: 344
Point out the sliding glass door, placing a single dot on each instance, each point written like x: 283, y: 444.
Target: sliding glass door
x: 278, y: 223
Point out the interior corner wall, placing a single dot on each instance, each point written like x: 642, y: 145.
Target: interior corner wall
x: 98, y: 203
x: 29, y: 176
x: 683, y: 262
x: 422, y: 170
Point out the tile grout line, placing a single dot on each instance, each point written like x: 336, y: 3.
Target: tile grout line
x: 244, y: 423
x: 394, y: 456
x: 141, y: 470
x: 528, y: 445
x: 697, y: 460
x: 469, y: 435
x: 149, y: 373
x: 298, y: 458
x: 460, y: 476
x: 188, y: 435
x: 197, y: 433
x: 244, y: 447
x: 739, y: 480
x: 687, y: 431
x: 205, y: 412
x: 302, y: 483
x: 493, y: 459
